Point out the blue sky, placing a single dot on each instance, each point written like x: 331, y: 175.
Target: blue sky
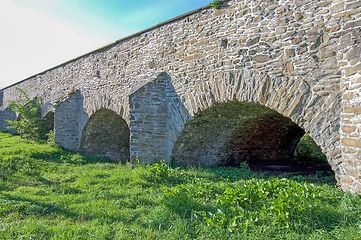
x: 39, y: 34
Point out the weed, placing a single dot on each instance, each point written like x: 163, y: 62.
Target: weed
x: 51, y: 138
x: 158, y: 172
x: 216, y: 4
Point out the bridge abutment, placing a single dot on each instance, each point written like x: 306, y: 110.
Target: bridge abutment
x: 157, y: 115
x: 69, y: 121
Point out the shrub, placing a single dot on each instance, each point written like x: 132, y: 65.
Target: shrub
x: 30, y: 124
x: 216, y: 4
x: 158, y: 172
x: 51, y: 138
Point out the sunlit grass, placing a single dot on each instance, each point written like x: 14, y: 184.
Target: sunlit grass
x: 49, y: 193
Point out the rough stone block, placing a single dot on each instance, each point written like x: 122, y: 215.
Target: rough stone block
x: 296, y: 40
x: 353, y: 53
x: 280, y: 30
x: 252, y: 41
x: 348, y: 96
x: 337, y: 7
x: 290, y: 52
x: 357, y: 186
x: 353, y: 24
x: 354, y: 110
x: 334, y: 28
x: 346, y: 181
x: 326, y: 54
x: 348, y: 129
x: 322, y: 4
x: 345, y: 38
x: 351, y: 171
x: 351, y: 142
x: 347, y: 13
x: 352, y: 70
x: 353, y: 5
x: 356, y: 80
x: 261, y: 58
x: 289, y: 67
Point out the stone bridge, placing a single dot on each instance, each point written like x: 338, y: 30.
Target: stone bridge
x: 132, y: 98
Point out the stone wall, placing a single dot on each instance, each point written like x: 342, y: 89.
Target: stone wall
x: 300, y: 58
x: 349, y: 50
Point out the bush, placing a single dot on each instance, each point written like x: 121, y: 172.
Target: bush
x: 158, y: 172
x: 30, y: 124
x: 216, y: 4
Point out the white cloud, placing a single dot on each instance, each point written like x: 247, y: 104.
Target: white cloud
x: 31, y: 42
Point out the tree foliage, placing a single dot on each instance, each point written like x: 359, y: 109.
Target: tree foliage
x: 30, y: 124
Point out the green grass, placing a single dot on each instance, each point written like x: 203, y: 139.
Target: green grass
x: 49, y: 193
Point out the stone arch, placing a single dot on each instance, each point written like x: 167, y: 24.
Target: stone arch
x: 106, y: 134
x: 303, y: 99
x: 230, y: 133
x: 233, y: 132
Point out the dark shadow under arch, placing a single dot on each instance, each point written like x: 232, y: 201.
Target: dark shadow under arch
x: 7, y: 114
x: 106, y: 134
x: 234, y: 132
x: 49, y: 121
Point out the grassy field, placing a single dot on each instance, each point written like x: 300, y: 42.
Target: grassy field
x: 49, y: 193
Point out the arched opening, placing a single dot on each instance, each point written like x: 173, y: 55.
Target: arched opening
x: 49, y: 121
x: 234, y: 132
x: 106, y: 134
x: 7, y: 114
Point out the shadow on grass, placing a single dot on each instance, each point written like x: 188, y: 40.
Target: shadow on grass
x: 64, y: 156
x: 320, y: 175
x: 27, y: 207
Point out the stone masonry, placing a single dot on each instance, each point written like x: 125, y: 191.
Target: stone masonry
x: 300, y: 58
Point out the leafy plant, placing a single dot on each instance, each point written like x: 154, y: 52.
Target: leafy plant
x: 158, y: 172
x: 216, y: 4
x: 51, y: 138
x: 276, y: 201
x: 30, y: 124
